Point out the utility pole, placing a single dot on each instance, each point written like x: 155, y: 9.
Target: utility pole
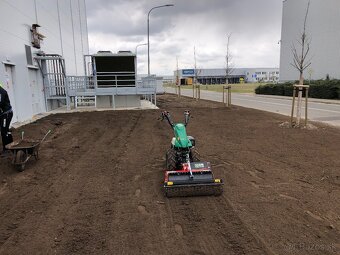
x: 148, y: 30
x: 195, y: 66
x: 196, y: 72
x: 177, y: 75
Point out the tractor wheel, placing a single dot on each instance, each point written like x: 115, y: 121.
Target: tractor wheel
x: 170, y: 160
x: 194, y: 156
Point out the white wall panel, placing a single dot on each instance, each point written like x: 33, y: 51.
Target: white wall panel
x: 16, y: 19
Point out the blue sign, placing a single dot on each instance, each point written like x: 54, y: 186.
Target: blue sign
x: 189, y: 72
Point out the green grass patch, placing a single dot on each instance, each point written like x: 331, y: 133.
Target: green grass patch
x: 236, y: 88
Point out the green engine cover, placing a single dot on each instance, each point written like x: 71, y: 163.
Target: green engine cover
x: 181, y: 138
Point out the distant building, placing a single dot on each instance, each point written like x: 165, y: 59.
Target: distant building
x: 322, y: 29
x: 168, y: 78
x: 218, y: 76
x: 154, y: 80
x: 29, y: 28
x: 262, y: 75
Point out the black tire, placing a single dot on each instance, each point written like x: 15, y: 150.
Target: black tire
x: 170, y: 160
x: 19, y: 158
x: 194, y: 156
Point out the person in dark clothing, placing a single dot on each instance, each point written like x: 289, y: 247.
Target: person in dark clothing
x: 6, y: 115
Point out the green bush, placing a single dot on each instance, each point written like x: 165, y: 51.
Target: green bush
x: 326, y: 89
x: 288, y: 89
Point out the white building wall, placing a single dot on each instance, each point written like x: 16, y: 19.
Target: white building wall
x: 323, y: 26
x: 63, y: 22
x: 262, y: 75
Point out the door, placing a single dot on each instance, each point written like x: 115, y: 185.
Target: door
x: 9, y: 86
x: 36, y: 92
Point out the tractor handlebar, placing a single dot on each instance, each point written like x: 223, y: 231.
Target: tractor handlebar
x: 187, y: 117
x: 166, y: 115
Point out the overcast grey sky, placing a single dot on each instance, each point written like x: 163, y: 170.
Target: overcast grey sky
x: 255, y: 26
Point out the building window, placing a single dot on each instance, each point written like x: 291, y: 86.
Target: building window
x: 28, y: 55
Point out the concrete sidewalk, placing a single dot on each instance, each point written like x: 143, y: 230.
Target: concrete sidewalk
x: 145, y: 105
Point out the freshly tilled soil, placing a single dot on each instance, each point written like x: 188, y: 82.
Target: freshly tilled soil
x: 97, y: 187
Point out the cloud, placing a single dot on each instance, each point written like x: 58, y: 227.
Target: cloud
x: 175, y: 31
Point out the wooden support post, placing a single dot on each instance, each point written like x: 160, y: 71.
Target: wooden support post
x: 229, y: 95
x: 193, y: 91
x: 196, y: 96
x: 226, y: 95
x: 293, y: 106
x: 199, y: 91
x: 306, y: 106
x: 179, y: 90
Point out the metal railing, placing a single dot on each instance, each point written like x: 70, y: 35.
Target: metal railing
x: 80, y: 83
x: 85, y: 85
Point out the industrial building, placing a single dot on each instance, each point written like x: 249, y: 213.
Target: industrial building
x: 218, y: 76
x: 322, y: 30
x: 45, y: 62
x: 32, y: 27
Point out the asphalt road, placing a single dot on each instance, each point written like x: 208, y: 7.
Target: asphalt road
x: 326, y: 111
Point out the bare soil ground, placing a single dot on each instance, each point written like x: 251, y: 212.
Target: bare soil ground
x: 97, y: 186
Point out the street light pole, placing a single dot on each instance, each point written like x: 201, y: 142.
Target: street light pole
x: 138, y: 45
x: 160, y: 6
